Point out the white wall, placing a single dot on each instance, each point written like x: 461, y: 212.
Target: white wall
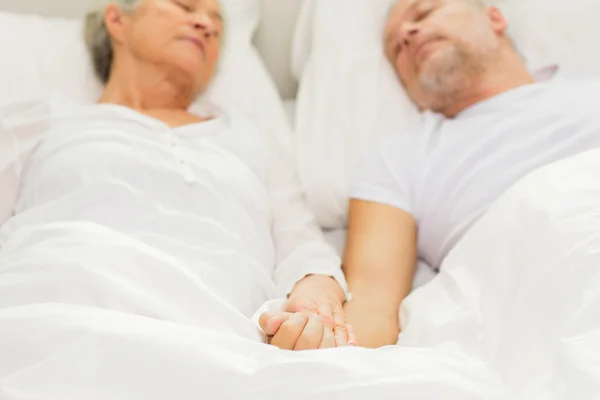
x: 65, y: 8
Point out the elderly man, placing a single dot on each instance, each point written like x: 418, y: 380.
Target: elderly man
x: 487, y: 123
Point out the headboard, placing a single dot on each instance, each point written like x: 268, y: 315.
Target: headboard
x: 273, y: 38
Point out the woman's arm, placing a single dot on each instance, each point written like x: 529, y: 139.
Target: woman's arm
x: 20, y: 132
x: 379, y: 262
x: 299, y: 243
x: 308, y: 270
x: 9, y: 174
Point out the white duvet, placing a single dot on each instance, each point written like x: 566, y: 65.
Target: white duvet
x: 514, y: 314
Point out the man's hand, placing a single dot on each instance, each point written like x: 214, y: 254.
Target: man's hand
x: 313, y: 317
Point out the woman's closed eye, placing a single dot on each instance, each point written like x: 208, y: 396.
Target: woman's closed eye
x: 184, y: 6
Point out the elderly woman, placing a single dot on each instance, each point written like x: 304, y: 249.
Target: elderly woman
x: 95, y: 197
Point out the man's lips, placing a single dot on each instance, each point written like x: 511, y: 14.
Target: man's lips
x: 421, y: 48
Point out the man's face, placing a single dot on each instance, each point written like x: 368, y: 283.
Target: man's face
x: 437, y: 46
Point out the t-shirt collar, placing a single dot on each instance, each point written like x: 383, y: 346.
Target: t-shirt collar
x: 541, y: 78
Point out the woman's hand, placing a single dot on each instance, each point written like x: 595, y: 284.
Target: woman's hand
x: 297, y: 331
x: 313, y: 317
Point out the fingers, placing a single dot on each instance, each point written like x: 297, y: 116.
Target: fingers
x: 326, y: 312
x: 307, y: 308
x: 290, y: 331
x: 310, y: 338
x: 271, y: 322
x: 328, y: 340
x: 352, y: 339
x: 297, y: 331
x: 340, y: 330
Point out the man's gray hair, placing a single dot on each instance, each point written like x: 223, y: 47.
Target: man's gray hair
x: 97, y: 38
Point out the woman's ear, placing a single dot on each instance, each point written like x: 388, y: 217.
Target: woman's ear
x: 114, y: 19
x: 497, y: 20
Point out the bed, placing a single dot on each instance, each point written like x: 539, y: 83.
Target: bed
x: 464, y: 335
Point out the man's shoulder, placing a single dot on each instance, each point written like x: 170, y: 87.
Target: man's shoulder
x: 571, y: 81
x: 567, y: 93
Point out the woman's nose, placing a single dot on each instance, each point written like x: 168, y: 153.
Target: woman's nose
x: 202, y: 21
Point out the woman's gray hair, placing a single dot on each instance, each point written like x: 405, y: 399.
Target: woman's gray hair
x: 97, y: 38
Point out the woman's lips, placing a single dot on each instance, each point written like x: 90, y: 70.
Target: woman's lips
x: 196, y: 42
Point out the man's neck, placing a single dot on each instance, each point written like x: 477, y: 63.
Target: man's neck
x: 146, y: 87
x: 495, y: 81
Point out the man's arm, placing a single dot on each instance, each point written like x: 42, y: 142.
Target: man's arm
x: 379, y: 261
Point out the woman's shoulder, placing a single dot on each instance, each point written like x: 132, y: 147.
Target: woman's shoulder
x: 36, y: 108
x: 22, y: 112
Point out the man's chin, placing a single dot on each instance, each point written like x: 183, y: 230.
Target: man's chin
x: 440, y: 66
x: 437, y: 60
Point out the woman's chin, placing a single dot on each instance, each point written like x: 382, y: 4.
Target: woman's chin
x: 189, y: 68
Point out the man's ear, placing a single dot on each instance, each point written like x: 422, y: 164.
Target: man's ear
x: 499, y: 24
x: 114, y: 20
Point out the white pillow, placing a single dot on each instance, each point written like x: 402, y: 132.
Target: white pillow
x: 241, y: 18
x: 302, y: 40
x: 44, y: 56
x: 349, y: 95
x: 561, y: 32
x: 47, y: 56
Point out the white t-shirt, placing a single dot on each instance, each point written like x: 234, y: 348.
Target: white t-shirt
x: 211, y: 195
x: 447, y: 172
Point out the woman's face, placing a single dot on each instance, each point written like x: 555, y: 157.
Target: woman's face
x: 182, y: 35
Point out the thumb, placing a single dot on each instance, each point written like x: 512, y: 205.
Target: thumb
x: 271, y: 322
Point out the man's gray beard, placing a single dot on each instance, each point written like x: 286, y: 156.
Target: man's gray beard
x: 443, y: 80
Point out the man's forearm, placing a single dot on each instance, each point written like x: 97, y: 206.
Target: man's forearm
x: 379, y: 262
x: 375, y: 327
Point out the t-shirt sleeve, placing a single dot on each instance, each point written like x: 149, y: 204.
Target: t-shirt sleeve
x: 384, y: 175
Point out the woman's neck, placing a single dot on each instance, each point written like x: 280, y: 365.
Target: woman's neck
x: 145, y: 87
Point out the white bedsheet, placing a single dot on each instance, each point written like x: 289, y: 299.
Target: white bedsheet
x: 514, y: 314
x: 521, y: 292
x: 119, y: 321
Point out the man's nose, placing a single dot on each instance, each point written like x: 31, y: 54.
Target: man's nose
x: 409, y: 33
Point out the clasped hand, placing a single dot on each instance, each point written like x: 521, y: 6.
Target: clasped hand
x: 312, y: 318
